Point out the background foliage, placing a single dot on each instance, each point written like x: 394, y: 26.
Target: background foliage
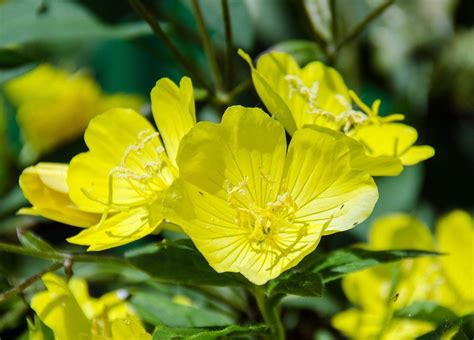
x: 417, y: 57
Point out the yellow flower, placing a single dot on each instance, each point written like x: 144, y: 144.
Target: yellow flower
x: 317, y: 95
x: 71, y: 313
x: 45, y: 187
x: 446, y: 280
x: 54, y: 106
x: 455, y: 235
x: 126, y: 172
x: 252, y: 207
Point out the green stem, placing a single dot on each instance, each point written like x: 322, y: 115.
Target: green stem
x: 11, y: 248
x: 243, y: 86
x: 206, y: 42
x: 333, y: 9
x: 28, y: 282
x: 362, y: 25
x: 138, y: 6
x: 270, y: 313
x: 228, y: 43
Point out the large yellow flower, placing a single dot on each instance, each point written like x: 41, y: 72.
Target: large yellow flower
x: 116, y: 187
x: 252, y: 207
x: 378, y: 292
x: 71, y: 313
x: 127, y: 170
x: 55, y: 106
x: 317, y: 95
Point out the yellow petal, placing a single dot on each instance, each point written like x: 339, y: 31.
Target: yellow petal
x: 44, y: 185
x: 247, y: 149
x: 326, y: 190
x: 267, y: 90
x: 120, y: 229
x: 417, y: 154
x: 393, y: 139
x: 400, y: 231
x: 173, y: 110
x: 59, y: 310
x: 331, y: 86
x: 360, y: 159
x: 357, y: 324
x: 455, y: 234
x: 129, y: 328
x: 122, y: 144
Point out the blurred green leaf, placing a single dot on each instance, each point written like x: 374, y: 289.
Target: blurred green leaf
x: 180, y: 262
x: 43, y: 24
x: 34, y: 242
x: 159, y: 308
x: 338, y: 263
x: 465, y: 325
x: 320, y: 15
x: 162, y: 333
x: 426, y: 311
x: 303, y: 51
x: 297, y: 283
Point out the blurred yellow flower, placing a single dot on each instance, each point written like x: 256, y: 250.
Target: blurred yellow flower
x: 317, y: 95
x: 126, y: 172
x: 45, y: 187
x: 69, y: 311
x: 252, y: 207
x: 54, y: 106
x: 379, y: 292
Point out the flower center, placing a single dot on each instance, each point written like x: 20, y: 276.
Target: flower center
x: 309, y: 94
x: 262, y: 222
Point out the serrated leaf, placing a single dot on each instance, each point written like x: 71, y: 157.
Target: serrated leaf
x: 180, y: 262
x: 299, y: 283
x: 34, y: 242
x: 162, y: 333
x: 426, y: 311
x: 303, y: 51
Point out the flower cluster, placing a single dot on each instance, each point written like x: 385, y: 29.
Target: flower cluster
x: 380, y: 293
x: 250, y: 202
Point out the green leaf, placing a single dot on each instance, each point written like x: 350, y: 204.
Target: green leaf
x: 34, y: 242
x: 319, y: 14
x: 344, y: 261
x: 426, y: 311
x: 297, y: 283
x: 209, y: 333
x: 57, y: 22
x: 159, y: 308
x: 303, y: 51
x: 464, y: 325
x: 180, y: 262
